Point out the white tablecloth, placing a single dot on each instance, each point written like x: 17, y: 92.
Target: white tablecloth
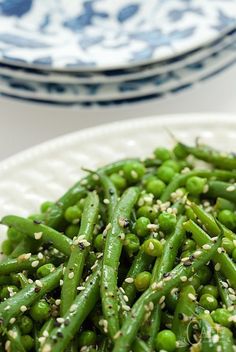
x: 23, y: 125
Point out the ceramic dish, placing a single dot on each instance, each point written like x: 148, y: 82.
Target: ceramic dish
x: 39, y: 174
x: 106, y: 34
x: 114, y: 76
x: 158, y: 84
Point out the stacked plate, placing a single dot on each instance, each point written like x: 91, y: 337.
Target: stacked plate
x: 90, y: 52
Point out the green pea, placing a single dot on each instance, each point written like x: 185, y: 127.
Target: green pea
x: 227, y: 218
x: 131, y: 243
x: 119, y: 181
x: 142, y: 281
x: 195, y: 185
x: 141, y: 226
x: 171, y: 300
x: 172, y: 164
x: 27, y: 342
x: 152, y: 247
x: 133, y: 171
x: 148, y: 212
x: 221, y: 316
x: 72, y: 231
x: 180, y: 152
x: 87, y: 338
x: 148, y: 178
x: 211, y: 290
x: 195, y: 281
x: 7, y: 247
x: 25, y: 324
x: 156, y: 187
x: 7, y: 290
x: 73, y: 214
x: 234, y: 254
x: 80, y: 203
x: 224, y: 204
x: 167, y: 222
x: 228, y: 245
x: 14, y: 236
x: 45, y: 270
x: 165, y: 340
x: 190, y: 214
x: 45, y: 206
x: 99, y: 242
x: 40, y: 311
x: 204, y: 275
x: 189, y: 245
x: 162, y: 153
x: 208, y: 302
x: 165, y: 173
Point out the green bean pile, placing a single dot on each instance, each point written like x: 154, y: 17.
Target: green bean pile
x: 138, y: 256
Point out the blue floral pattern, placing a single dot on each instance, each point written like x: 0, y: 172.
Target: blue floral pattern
x: 107, y: 34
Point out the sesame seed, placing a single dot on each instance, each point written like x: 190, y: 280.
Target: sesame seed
x: 192, y: 297
x: 47, y: 348
x: 151, y: 246
x: 30, y: 281
x: 35, y: 263
x: 57, y: 302
x: 80, y: 288
x: 7, y: 345
x: 45, y: 333
x: 205, y: 189
x: 217, y: 267
x: 215, y: 338
x: 210, y: 299
x: 27, y: 255
x: 38, y: 235
x: 161, y: 300
x: 38, y: 283
x: 197, y: 253
x: 224, y: 284
x: 232, y: 297
x: 206, y: 246
x: 106, y: 201
x: 126, y: 307
x: 12, y: 333
x: 231, y: 188
x: 73, y: 308
x: 60, y: 320
x: 118, y: 334
x: 129, y: 280
x: 40, y: 255
x: 71, y: 275
x: 134, y: 174
x: 7, y: 307
x: 12, y: 320
x: 183, y: 278
x: 23, y: 309
x: 126, y: 298
x: 122, y: 236
x: 61, y: 282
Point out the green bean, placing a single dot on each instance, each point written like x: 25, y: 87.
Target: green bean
x: 226, y: 340
x: 79, y: 252
x: 14, y: 336
x: 153, y: 294
x: 28, y: 296
x: 83, y: 304
x: 222, y: 189
x: 180, y: 180
x: 54, y: 215
x: 221, y: 259
x: 111, y: 257
x: 184, y: 312
x: 110, y: 193
x: 208, y: 332
x: 23, y: 262
x: 32, y: 229
x: 162, y: 267
x: 140, y: 263
x: 209, y: 223
x: 140, y: 346
x: 218, y: 159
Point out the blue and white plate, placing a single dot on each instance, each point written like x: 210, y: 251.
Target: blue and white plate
x: 106, y: 34
x: 139, y: 72
x: 157, y: 84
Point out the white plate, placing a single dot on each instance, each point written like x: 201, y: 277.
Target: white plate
x: 45, y: 172
x: 116, y: 76
x: 157, y: 84
x: 107, y: 34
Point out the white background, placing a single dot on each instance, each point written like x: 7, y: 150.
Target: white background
x: 23, y: 125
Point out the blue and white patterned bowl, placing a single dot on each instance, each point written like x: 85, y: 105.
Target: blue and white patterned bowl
x: 106, y: 34
x: 129, y: 89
